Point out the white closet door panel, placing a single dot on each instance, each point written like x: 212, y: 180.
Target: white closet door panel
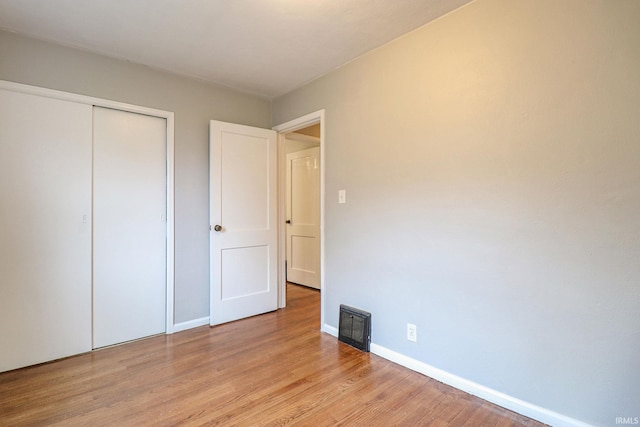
x: 45, y: 234
x: 129, y: 236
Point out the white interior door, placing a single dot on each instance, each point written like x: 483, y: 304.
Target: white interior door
x: 243, y: 221
x: 303, y: 217
x: 45, y: 229
x: 129, y: 236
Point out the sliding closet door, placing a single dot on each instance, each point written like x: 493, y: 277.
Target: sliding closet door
x: 45, y: 229
x: 129, y: 235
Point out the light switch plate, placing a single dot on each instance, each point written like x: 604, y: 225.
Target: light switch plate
x: 342, y: 196
x: 412, y: 332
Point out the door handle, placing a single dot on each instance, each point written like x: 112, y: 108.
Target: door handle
x: 288, y: 221
x: 217, y: 227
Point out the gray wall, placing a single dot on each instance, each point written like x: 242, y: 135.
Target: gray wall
x: 492, y: 167
x: 194, y: 103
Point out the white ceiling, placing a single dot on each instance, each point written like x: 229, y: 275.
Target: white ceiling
x: 265, y: 47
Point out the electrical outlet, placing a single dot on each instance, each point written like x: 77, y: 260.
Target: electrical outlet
x: 412, y: 332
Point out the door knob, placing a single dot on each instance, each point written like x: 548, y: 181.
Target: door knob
x: 217, y: 227
x: 288, y: 221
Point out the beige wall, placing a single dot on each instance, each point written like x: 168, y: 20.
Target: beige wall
x: 313, y: 130
x: 295, y: 142
x: 293, y: 146
x: 194, y: 103
x: 492, y: 167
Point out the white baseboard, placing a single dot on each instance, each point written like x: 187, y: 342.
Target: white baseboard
x: 513, y: 404
x: 190, y: 324
x: 330, y: 330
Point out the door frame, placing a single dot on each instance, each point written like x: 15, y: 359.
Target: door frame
x: 282, y: 129
x: 170, y: 179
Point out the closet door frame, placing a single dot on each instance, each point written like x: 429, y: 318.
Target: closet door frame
x: 169, y: 116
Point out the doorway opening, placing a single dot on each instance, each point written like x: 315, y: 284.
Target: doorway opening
x: 301, y: 205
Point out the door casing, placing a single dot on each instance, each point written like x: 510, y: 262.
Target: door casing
x: 282, y: 129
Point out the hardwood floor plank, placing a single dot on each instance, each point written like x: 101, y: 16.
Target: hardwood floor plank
x: 276, y: 369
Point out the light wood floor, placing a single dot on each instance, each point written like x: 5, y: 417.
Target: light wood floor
x: 270, y: 370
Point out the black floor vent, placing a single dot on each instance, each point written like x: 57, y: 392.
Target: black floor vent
x: 355, y: 327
